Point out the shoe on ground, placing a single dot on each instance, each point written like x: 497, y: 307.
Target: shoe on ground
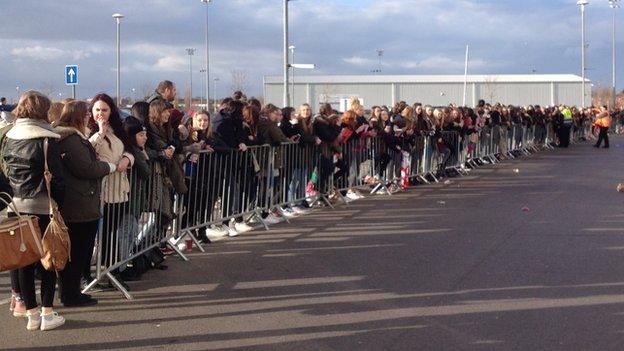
x: 242, y: 227
x: 216, y: 233
x: 288, y: 212
x: 166, y: 250
x: 83, y: 300
x: 351, y: 195
x: 253, y: 220
x: 182, y: 246
x: 34, y: 321
x: 357, y: 194
x: 18, y: 307
x: 232, y: 232
x: 300, y: 210
x: 51, y: 321
x: 272, y: 219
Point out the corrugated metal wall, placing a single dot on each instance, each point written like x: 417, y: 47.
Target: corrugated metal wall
x: 437, y: 94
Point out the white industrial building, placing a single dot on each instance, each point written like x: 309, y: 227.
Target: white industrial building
x: 542, y: 89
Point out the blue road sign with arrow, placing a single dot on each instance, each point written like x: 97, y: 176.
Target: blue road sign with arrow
x: 71, y: 74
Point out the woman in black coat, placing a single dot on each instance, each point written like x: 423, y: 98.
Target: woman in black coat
x: 83, y: 175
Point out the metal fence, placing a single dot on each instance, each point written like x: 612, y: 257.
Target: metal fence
x: 142, y: 211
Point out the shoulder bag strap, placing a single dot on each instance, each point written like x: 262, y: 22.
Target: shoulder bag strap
x: 47, y: 175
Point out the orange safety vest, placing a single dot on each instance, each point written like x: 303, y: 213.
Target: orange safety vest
x: 604, y: 122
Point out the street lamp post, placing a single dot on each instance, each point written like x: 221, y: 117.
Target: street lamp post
x: 214, y: 94
x: 207, y: 61
x: 202, y: 94
x: 191, y: 52
x: 582, y: 4
x: 614, y: 4
x: 118, y: 17
x: 286, y: 92
x: 292, y: 72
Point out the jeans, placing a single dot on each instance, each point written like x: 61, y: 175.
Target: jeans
x: 296, y: 188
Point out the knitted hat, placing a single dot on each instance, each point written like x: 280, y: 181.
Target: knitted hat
x: 133, y: 129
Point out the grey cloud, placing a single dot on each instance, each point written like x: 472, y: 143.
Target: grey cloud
x: 419, y: 37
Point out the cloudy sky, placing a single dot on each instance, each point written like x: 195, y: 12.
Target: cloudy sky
x: 340, y: 36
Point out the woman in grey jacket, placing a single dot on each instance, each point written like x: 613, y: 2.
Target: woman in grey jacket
x: 83, y: 175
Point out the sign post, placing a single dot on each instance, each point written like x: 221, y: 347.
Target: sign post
x: 71, y: 78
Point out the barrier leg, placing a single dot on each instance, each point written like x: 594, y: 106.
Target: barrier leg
x: 258, y: 214
x: 188, y: 233
x: 177, y: 250
x: 119, y: 286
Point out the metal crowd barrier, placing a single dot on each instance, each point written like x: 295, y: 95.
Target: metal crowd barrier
x: 137, y: 216
x: 226, y: 185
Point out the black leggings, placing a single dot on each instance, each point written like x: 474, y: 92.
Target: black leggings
x: 82, y: 236
x: 23, y: 279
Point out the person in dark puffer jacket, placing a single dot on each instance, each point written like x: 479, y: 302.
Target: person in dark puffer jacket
x: 23, y: 155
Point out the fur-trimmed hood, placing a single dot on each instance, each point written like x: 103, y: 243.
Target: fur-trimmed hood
x: 26, y: 129
x: 64, y: 132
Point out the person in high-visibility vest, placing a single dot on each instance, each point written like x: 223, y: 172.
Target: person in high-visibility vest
x: 565, y: 126
x: 603, y: 121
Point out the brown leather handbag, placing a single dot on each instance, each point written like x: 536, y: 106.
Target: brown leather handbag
x: 56, y: 243
x: 20, y: 239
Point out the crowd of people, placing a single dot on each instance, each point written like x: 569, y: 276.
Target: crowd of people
x: 104, y: 166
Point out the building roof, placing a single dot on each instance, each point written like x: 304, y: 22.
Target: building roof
x: 380, y: 79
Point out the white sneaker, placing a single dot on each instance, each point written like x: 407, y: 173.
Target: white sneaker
x: 253, y: 220
x: 272, y: 219
x: 232, y: 230
x: 288, y: 212
x: 216, y: 233
x: 34, y: 321
x: 382, y: 191
x: 51, y: 321
x: 182, y: 246
x: 301, y: 210
x: 242, y: 227
x: 351, y: 195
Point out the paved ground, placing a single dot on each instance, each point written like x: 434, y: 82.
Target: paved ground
x: 453, y: 266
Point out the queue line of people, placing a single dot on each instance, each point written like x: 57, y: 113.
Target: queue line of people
x: 100, y: 163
